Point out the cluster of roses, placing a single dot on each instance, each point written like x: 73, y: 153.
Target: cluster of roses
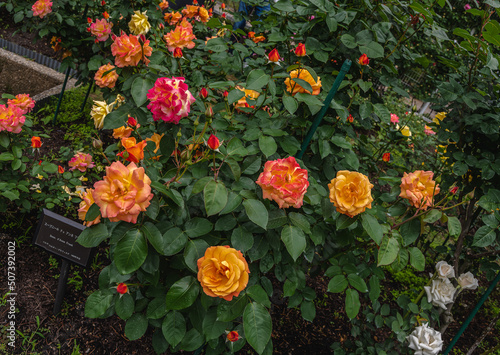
x: 12, y: 115
x: 426, y: 340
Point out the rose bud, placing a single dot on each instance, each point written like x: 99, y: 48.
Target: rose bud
x: 97, y: 143
x: 203, y: 93
x: 213, y: 142
x: 209, y: 112
x: 386, y: 157
x: 300, y: 51
x: 177, y: 52
x: 225, y: 93
x: 36, y: 142
x: 60, y: 169
x: 132, y: 122
x: 122, y: 288
x: 454, y: 190
x: 363, y: 60
x: 233, y: 336
x: 274, y: 56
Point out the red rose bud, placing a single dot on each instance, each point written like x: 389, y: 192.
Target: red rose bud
x: 209, y: 112
x: 60, y: 169
x: 363, y: 60
x: 40, y: 162
x: 143, y: 38
x: 103, y: 2
x: 300, y: 51
x: 36, y: 142
x: 89, y: 20
x: 132, y: 122
x: 88, y: 29
x: 161, y: 26
x: 195, y: 2
x: 454, y: 190
x: 122, y: 288
x: 350, y: 118
x: 213, y: 142
x: 225, y: 93
x: 105, y: 15
x: 224, y: 15
x: 177, y: 52
x: 274, y: 56
x: 386, y: 157
x: 233, y: 336
x: 203, y: 93
x: 223, y: 6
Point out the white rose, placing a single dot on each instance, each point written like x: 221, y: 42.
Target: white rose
x: 440, y: 293
x: 425, y: 340
x: 445, y: 270
x: 467, y: 281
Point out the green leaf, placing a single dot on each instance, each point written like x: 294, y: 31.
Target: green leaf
x: 241, y: 239
x: 294, y: 240
x: 382, y: 112
x: 348, y: 41
x: 484, y: 237
x: 300, y: 221
x: 4, y: 139
x: 374, y: 288
x: 174, y: 327
x: 195, y: 249
x: 352, y: 303
x: 97, y: 303
x: 256, y: 212
x: 154, y: 236
x: 357, y: 282
x: 372, y: 227
x: 256, y: 79
x: 257, y: 325
x: 304, y: 84
x: 174, y: 241
x: 234, y: 95
x: 93, y: 236
x: 215, y: 196
x: 136, y: 326
x: 197, y: 227
x: 130, y: 252
x: 410, y: 231
x: 308, y: 310
x: 154, y: 208
x: 388, y: 251
x: 454, y: 226
x: 290, y: 103
x: 156, y: 308
x: 267, y: 145
x: 228, y: 311
x: 372, y: 50
x: 192, y: 340
x: 259, y: 295
x: 182, y: 293
x: 337, y: 284
x: 116, y: 118
x: 417, y: 259
x: 124, y: 306
x: 93, y: 212
x: 343, y: 221
x: 433, y: 216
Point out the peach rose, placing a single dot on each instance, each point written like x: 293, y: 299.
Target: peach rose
x: 293, y: 87
x: 11, y: 118
x: 172, y: 17
x: 101, y: 29
x: 23, y: 101
x: 251, y: 94
x: 223, y: 272
x: 106, y: 80
x: 181, y: 37
x: 42, y: 8
x: 129, y: 52
x: 419, y: 188
x: 123, y: 193
x: 134, y: 149
x: 82, y: 162
x: 284, y: 181
x: 350, y: 192
x: 87, y: 201
x: 190, y: 11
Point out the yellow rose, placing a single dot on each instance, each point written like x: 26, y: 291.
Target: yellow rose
x: 223, y: 272
x: 251, y: 94
x: 294, y: 88
x: 99, y: 111
x: 438, y: 117
x: 350, y: 192
x: 139, y: 24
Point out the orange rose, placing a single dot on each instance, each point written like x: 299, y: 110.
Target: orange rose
x: 284, y: 181
x: 124, y: 192
x: 258, y: 39
x: 108, y: 80
x: 190, y: 11
x: 129, y: 52
x: 419, y: 188
x: 293, y: 87
x: 251, y: 94
x: 223, y: 272
x: 122, y: 132
x: 180, y: 37
x: 87, y: 201
x: 204, y: 15
x: 135, y: 150
x: 274, y: 56
x: 350, y: 192
x: 156, y: 138
x: 172, y: 17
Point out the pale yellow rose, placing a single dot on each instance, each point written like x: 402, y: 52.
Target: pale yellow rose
x: 350, y: 192
x: 139, y: 24
x: 99, y: 111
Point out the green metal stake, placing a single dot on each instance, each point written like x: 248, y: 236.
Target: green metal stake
x: 61, y: 97
x: 343, y: 71
x: 472, y: 314
x: 86, y: 96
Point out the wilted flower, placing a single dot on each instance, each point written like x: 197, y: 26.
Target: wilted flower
x: 223, y: 272
x: 101, y: 29
x: 106, y: 80
x: 23, y: 101
x: 419, y: 188
x: 440, y: 293
x: 444, y: 270
x: 425, y: 340
x: 123, y: 193
x: 468, y: 281
x: 11, y: 118
x: 258, y: 39
x: 170, y: 99
x: 364, y: 60
x: 284, y: 181
x: 294, y: 88
x: 81, y: 161
x: 139, y: 24
x: 99, y: 111
x: 42, y: 8
x: 134, y: 149
x: 129, y: 52
x: 350, y: 192
x: 156, y: 138
x: 300, y: 51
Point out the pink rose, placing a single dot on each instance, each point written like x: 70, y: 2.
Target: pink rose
x: 42, y: 8
x: 24, y: 102
x: 394, y: 118
x: 81, y: 161
x: 11, y: 118
x: 101, y: 29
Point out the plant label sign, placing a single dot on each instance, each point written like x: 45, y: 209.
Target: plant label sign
x: 58, y: 234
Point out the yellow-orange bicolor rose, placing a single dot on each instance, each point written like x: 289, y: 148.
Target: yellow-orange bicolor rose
x: 190, y: 11
x: 134, y: 149
x: 351, y: 192
x: 294, y: 88
x: 251, y: 94
x: 284, y: 181
x: 123, y: 193
x: 128, y: 51
x: 180, y: 37
x: 106, y: 80
x: 203, y: 14
x: 139, y: 24
x: 87, y: 201
x: 122, y: 132
x: 419, y: 188
x: 223, y: 272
